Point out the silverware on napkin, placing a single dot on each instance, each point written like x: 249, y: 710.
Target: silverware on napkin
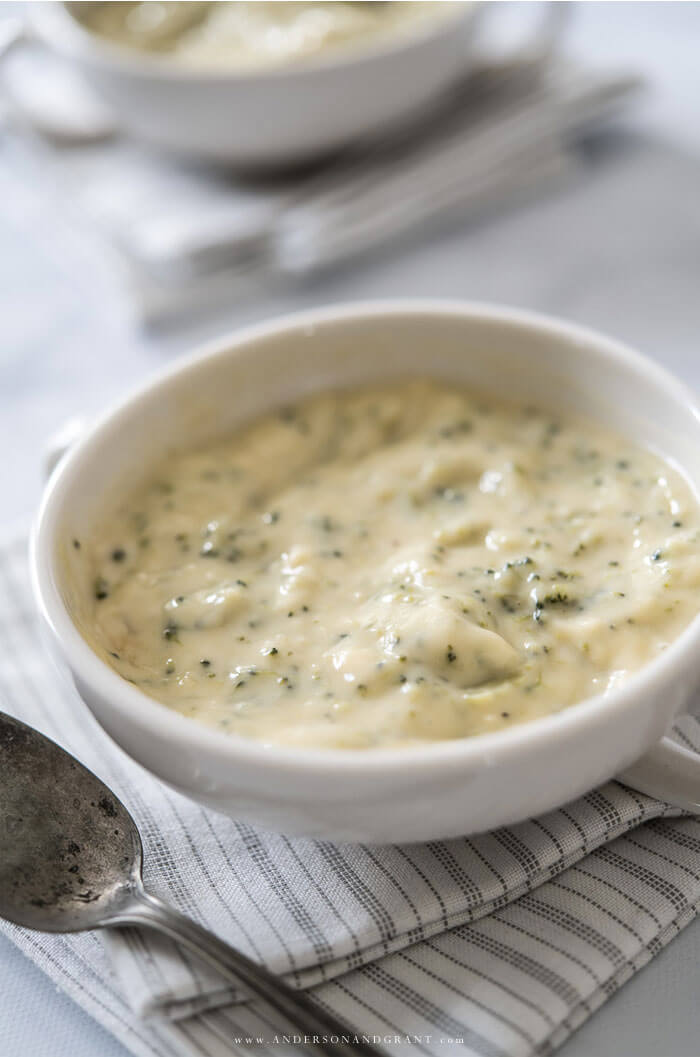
x: 498, y: 138
x: 185, y: 238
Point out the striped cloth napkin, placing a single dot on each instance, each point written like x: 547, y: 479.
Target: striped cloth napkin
x: 496, y: 946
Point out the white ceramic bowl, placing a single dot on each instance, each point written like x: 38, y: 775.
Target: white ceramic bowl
x: 378, y: 795
x: 265, y: 118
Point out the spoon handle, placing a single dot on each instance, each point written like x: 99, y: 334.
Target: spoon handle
x: 145, y: 909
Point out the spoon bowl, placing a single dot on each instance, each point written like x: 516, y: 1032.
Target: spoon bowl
x: 71, y: 853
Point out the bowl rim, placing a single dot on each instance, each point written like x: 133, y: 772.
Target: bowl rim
x: 169, y: 725
x: 56, y: 25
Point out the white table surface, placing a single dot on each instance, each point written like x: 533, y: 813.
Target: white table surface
x: 618, y: 250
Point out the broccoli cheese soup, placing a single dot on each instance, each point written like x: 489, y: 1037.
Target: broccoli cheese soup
x: 394, y: 565
x: 240, y: 35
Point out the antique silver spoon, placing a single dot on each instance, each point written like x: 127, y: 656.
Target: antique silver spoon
x: 70, y: 860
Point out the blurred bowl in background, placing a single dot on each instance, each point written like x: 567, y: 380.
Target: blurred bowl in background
x: 271, y: 117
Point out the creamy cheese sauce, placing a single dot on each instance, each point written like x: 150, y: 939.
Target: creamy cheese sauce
x: 395, y: 565
x: 248, y: 35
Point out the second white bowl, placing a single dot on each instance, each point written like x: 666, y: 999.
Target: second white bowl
x: 265, y: 118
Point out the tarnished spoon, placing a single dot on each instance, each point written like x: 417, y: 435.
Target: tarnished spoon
x: 70, y: 860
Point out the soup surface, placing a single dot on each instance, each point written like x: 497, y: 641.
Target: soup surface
x: 234, y: 35
x: 394, y: 565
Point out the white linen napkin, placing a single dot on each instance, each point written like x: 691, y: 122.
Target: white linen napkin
x: 184, y: 237
x: 494, y: 946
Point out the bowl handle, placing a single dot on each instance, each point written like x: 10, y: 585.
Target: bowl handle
x: 60, y: 442
x: 531, y: 50
x: 669, y: 772
x: 59, y: 106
